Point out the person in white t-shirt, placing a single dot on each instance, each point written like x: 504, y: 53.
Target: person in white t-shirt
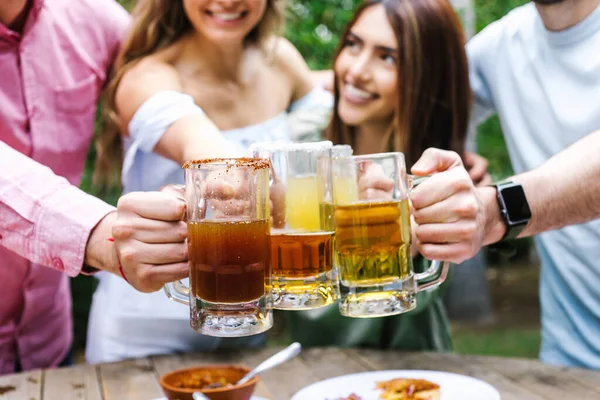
x: 538, y: 68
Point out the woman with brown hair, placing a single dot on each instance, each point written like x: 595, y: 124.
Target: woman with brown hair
x: 401, y: 84
x: 194, y: 79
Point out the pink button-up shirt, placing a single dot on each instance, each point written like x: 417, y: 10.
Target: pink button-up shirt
x: 50, y: 79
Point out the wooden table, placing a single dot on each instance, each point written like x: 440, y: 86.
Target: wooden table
x: 515, y: 379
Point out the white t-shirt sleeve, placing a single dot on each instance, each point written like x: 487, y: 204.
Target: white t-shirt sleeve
x: 480, y: 53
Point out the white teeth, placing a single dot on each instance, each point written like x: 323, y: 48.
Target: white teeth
x: 227, y: 16
x: 356, y: 92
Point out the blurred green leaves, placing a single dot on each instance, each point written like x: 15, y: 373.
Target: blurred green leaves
x: 315, y: 28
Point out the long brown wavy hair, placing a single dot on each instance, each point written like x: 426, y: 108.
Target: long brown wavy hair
x: 434, y: 97
x: 156, y: 25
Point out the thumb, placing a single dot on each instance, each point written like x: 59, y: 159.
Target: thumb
x: 176, y: 190
x: 436, y: 160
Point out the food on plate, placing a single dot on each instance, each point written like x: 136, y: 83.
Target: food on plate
x: 403, y: 389
x: 409, y: 389
x: 200, y: 380
x: 351, y: 397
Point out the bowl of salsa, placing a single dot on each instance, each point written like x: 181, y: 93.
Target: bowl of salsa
x: 217, y: 382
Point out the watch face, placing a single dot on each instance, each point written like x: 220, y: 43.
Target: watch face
x: 516, y: 204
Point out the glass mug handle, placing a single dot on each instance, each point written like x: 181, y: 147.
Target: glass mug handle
x: 437, y: 268
x: 178, y: 292
x: 431, y: 272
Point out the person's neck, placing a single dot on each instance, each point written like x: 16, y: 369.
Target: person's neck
x: 11, y: 10
x: 224, y: 61
x: 561, y: 16
x: 368, y: 138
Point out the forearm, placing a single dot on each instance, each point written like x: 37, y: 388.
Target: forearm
x: 194, y: 137
x: 42, y: 217
x: 562, y: 191
x: 100, y: 252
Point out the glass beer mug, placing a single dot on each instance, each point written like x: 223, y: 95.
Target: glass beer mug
x: 373, y: 237
x: 228, y: 247
x: 301, y: 232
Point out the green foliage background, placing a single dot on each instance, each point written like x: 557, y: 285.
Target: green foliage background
x: 314, y: 27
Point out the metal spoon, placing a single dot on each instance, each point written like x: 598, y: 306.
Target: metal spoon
x: 199, y: 396
x: 278, y: 358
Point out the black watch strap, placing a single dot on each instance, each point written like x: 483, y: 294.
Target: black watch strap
x: 506, y: 249
x: 513, y: 207
x: 514, y: 211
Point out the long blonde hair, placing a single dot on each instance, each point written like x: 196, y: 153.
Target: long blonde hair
x: 156, y: 25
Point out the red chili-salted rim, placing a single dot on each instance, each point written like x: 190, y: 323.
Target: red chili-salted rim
x: 256, y: 163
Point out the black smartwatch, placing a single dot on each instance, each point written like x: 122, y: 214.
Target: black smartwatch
x: 513, y: 206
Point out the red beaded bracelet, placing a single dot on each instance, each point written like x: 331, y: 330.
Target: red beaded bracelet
x: 120, y: 266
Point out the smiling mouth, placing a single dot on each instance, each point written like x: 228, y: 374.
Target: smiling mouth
x: 227, y: 17
x: 357, y: 95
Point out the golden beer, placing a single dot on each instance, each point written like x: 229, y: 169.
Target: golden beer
x: 302, y: 203
x: 302, y: 230
x: 302, y: 263
x: 372, y: 252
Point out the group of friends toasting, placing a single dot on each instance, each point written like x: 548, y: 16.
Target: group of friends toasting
x: 212, y: 79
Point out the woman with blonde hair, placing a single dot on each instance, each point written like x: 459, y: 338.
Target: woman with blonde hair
x: 194, y: 79
x: 401, y: 84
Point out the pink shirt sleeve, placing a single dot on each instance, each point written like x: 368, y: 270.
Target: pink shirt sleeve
x: 42, y: 217
x: 116, y: 21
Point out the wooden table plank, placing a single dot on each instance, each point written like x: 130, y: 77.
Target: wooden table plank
x: 585, y: 376
x: 589, y: 378
x: 515, y: 379
x: 551, y: 382
x: 509, y: 390
x: 284, y: 380
x: 327, y: 362
x: 447, y: 362
x: 78, y: 382
x: 23, y: 386
x: 382, y: 360
x: 131, y: 380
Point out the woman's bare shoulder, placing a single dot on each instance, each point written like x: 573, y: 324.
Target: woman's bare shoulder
x: 147, y: 77
x: 291, y: 63
x: 285, y: 54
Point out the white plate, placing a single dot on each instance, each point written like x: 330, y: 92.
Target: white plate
x: 251, y: 398
x: 452, y: 386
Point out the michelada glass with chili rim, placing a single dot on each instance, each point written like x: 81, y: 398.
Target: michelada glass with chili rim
x: 228, y: 247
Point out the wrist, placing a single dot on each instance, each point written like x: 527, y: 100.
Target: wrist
x: 495, y: 227
x: 100, y: 253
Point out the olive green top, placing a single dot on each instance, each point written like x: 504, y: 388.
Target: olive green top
x: 424, y: 328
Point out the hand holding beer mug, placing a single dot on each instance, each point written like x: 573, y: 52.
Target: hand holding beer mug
x: 450, y: 220
x: 228, y: 242
x: 302, y: 232
x: 373, y: 237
